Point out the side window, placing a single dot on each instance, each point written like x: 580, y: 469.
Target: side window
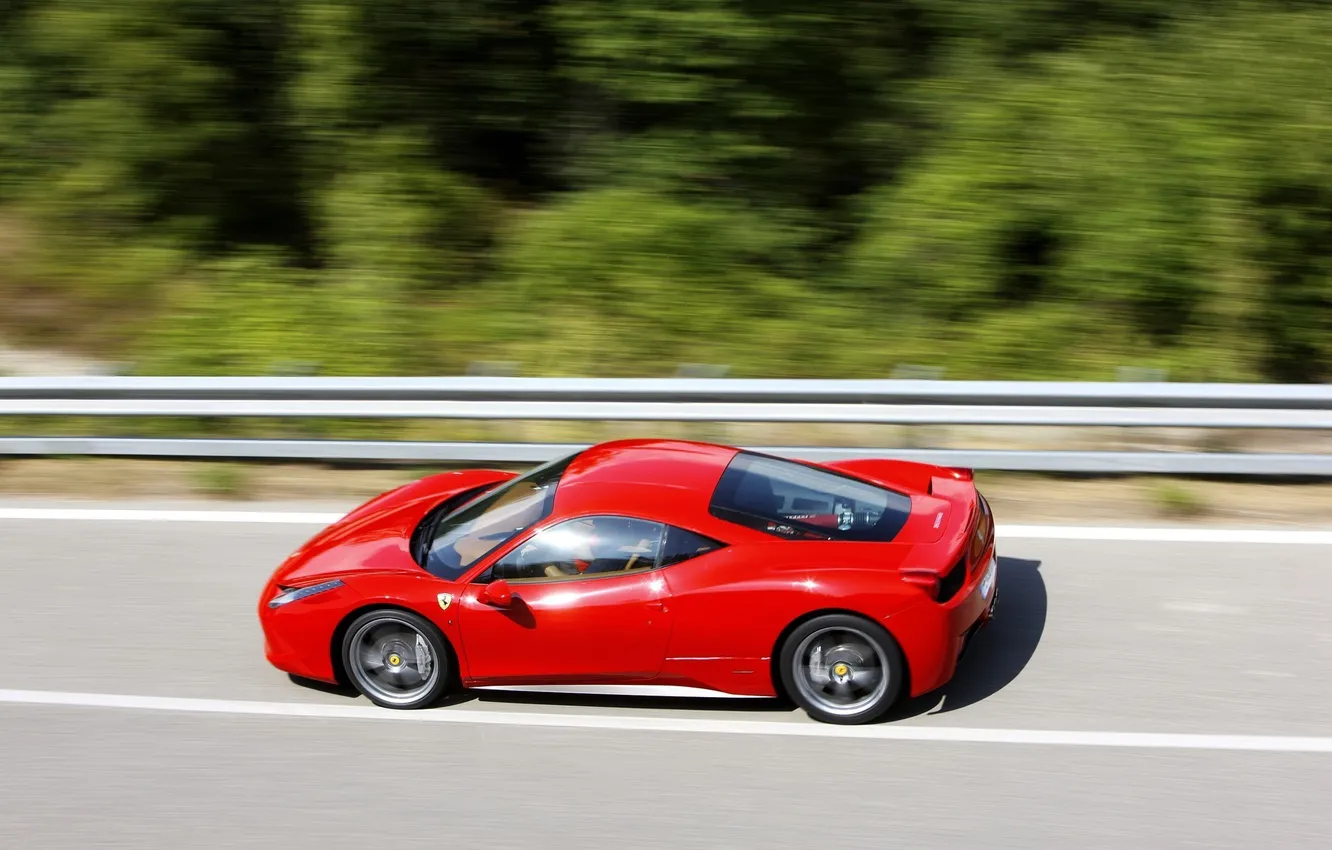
x: 681, y: 545
x: 584, y: 547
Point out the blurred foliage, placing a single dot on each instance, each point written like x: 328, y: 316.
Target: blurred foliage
x: 1004, y: 188
x: 1176, y: 500
x: 224, y: 480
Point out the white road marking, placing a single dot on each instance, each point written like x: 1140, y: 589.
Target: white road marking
x: 645, y: 723
x: 1149, y: 534
x: 153, y: 515
x: 1152, y: 534
x: 1203, y: 608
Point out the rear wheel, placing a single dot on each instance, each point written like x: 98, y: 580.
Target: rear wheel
x: 842, y: 669
x: 397, y: 659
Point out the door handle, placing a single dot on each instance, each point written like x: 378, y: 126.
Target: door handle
x: 658, y: 604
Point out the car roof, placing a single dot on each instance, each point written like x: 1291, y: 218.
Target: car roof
x: 665, y: 478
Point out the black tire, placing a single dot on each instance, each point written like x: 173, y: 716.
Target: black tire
x: 387, y: 635
x: 859, y: 647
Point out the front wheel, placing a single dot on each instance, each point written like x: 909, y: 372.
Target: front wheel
x: 842, y: 669
x: 397, y: 659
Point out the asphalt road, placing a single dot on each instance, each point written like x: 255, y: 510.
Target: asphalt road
x: 1093, y: 637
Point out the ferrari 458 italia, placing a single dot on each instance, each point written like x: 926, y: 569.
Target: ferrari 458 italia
x: 841, y: 586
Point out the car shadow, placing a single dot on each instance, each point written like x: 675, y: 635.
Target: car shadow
x: 996, y: 657
x: 324, y: 687
x: 739, y: 704
x: 1000, y: 652
x: 350, y: 693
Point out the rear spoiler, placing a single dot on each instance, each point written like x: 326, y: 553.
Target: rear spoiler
x: 957, y: 473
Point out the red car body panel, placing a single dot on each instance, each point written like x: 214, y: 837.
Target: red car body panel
x: 600, y: 630
x: 712, y: 621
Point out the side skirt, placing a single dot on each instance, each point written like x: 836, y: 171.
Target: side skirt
x: 620, y: 691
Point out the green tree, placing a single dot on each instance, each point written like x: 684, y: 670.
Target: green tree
x: 1033, y: 188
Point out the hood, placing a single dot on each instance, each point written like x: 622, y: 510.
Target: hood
x: 376, y: 534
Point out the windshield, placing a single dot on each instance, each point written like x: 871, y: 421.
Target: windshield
x: 466, y: 536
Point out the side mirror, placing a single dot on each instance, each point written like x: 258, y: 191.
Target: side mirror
x: 496, y: 593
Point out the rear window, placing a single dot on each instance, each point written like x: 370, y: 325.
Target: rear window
x: 798, y: 501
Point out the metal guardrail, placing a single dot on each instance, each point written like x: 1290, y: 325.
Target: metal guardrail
x: 912, y: 402
x: 778, y: 390
x: 675, y: 399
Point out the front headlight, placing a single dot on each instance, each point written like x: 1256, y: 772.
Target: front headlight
x: 291, y: 594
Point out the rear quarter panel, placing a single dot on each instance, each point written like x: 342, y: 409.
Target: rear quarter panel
x: 730, y: 607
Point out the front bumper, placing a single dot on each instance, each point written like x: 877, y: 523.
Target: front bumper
x: 298, y: 637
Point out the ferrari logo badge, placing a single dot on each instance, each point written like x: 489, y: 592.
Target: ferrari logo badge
x: 445, y: 600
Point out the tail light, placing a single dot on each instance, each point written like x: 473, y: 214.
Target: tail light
x: 940, y: 588
x: 951, y: 583
x: 928, y: 580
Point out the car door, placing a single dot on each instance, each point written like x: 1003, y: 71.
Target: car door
x: 588, y: 604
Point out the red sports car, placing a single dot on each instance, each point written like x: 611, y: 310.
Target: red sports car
x: 664, y: 564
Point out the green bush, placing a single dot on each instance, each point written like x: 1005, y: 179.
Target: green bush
x: 1049, y: 189
x: 253, y: 314
x: 1178, y: 501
